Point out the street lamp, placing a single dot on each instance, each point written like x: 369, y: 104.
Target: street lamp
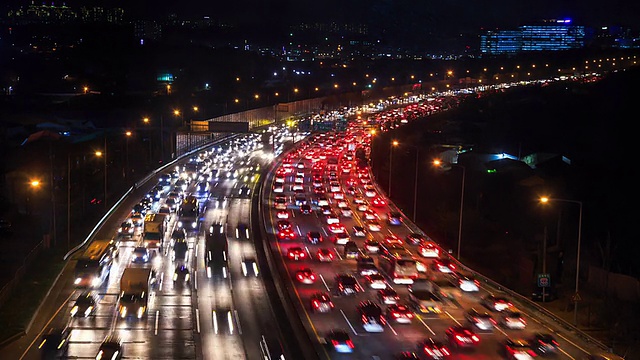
x: 393, y: 143
x: 128, y: 135
x: 415, y: 181
x: 103, y: 154
x: 546, y: 200
x: 439, y: 163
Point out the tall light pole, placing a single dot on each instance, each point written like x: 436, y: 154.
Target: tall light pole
x: 438, y: 163
x: 393, y: 143
x: 103, y: 154
x: 128, y: 135
x: 576, y: 296
x: 415, y: 180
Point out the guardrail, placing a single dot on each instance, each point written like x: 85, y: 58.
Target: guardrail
x: 141, y: 182
x: 496, y: 286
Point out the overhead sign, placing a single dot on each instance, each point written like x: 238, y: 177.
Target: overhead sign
x: 226, y: 126
x: 544, y: 280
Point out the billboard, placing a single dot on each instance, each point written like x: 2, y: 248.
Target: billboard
x: 224, y: 126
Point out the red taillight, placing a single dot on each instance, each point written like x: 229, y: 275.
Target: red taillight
x: 312, y: 277
x: 531, y: 353
x: 410, y: 315
x: 475, y: 338
x: 395, y: 314
x: 316, y: 303
x: 350, y: 344
x: 445, y: 351
x: 555, y: 343
x: 302, y: 255
x: 335, y: 342
x: 300, y: 277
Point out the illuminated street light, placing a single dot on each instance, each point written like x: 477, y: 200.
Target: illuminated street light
x: 393, y: 143
x: 35, y: 183
x: 546, y: 200
x: 439, y: 163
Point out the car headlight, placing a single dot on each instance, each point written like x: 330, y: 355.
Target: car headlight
x: 141, y: 311
x: 175, y: 276
x: 186, y: 277
x: 96, y: 281
x: 88, y: 311
x: 123, y: 311
x: 194, y: 224
x: 179, y: 224
x: 77, y: 281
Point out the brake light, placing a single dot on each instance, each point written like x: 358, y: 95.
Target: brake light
x: 299, y: 276
x: 335, y: 342
x: 350, y: 344
x: 475, y: 338
x: 316, y: 303
x: 555, y: 343
x: 531, y: 353
x: 445, y: 351
x: 312, y: 277
x: 395, y: 314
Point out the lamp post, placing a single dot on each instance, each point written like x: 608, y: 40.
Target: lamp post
x: 128, y: 135
x: 393, y: 143
x: 546, y: 200
x: 439, y: 164
x: 103, y: 154
x: 415, y: 180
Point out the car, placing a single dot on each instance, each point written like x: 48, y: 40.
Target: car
x: 480, y: 320
x: 110, y: 349
x: 280, y: 203
x: 391, y: 240
x: 318, y: 190
x: 461, y: 337
x: 55, y: 343
x: 296, y: 253
x: 300, y: 200
x: 280, y: 179
x: 399, y: 313
x: 371, y: 215
x: 202, y: 187
x: 337, y: 228
x: 126, y: 229
x: 326, y: 210
x: 394, y: 218
x: 278, y: 188
x: 387, y: 296
x: 338, y: 195
x: 358, y: 231
x: 351, y: 250
x: 518, y: 349
x: 373, y: 225
x: 467, y: 282
x: 286, y: 234
x: 165, y: 209
x: 140, y: 255
x: 346, y: 212
x: 322, y: 201
x: 376, y: 281
x: 429, y: 250
x: 340, y: 341
x: 282, y: 214
x: 496, y: 303
x: 172, y: 203
x: 366, y: 268
x: 306, y: 276
x: 511, y: 319
x: 371, y: 316
x: 544, y: 343
x: 283, y: 225
x: 181, y: 274
x: 370, y: 191
x: 378, y: 202
x: 443, y: 265
x: 332, y: 218
x: 178, y: 234
x: 305, y: 209
x: 314, y: 237
x: 415, y: 239
x: 298, y: 179
x: 359, y: 200
x: 433, y: 349
x: 324, y: 255
x: 321, y: 302
x: 334, y: 186
x: 351, y: 190
x: 249, y: 266
x: 137, y: 219
x: 85, y: 305
x: 340, y: 238
x: 372, y: 246
x: 346, y: 284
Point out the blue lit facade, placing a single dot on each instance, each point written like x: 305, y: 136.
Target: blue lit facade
x: 550, y: 35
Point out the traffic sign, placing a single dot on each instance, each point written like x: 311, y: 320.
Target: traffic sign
x: 544, y: 280
x: 576, y: 297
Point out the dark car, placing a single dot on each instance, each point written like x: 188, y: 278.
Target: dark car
x: 110, y: 349
x: 415, y: 239
x: 433, y: 349
x: 346, y: 284
x: 351, y: 250
x: 544, y: 344
x: 55, y: 343
x: 305, y: 209
x: 179, y: 234
x: 85, y: 305
x: 340, y: 341
x: 314, y: 237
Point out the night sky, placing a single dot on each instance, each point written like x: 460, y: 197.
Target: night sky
x: 459, y: 15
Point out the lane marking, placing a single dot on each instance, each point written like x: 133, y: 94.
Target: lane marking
x: 155, y: 332
x: 425, y: 325
x: 214, y: 316
x: 198, y: 321
x: 324, y: 282
x: 348, y: 323
x: 235, y: 312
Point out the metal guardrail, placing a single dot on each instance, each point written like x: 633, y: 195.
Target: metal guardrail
x: 496, y: 286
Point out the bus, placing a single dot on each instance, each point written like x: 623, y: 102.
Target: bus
x: 400, y: 270
x: 216, y: 251
x: 94, y: 265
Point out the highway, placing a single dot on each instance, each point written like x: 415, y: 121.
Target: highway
x: 395, y: 337
x: 209, y: 317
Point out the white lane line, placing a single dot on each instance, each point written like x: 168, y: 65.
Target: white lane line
x: 235, y: 312
x: 452, y: 318
x: 214, y: 316
x: 155, y: 331
x: 195, y: 282
x: 425, y: 324
x: 198, y: 321
x: 161, y: 282
x: 324, y: 282
x: 348, y: 323
x: 392, y: 329
x: 337, y: 253
x: 308, y: 252
x: 361, y: 288
x: 230, y: 322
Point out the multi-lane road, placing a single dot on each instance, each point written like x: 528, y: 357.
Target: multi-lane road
x: 396, y: 337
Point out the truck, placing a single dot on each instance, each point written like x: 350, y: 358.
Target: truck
x: 423, y: 299
x: 189, y: 213
x: 154, y: 229
x: 135, y: 284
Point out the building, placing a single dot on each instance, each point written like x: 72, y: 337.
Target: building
x: 548, y: 35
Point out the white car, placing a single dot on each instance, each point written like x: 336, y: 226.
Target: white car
x: 513, y: 320
x: 278, y: 188
x: 332, y: 219
x: 342, y: 204
x: 334, y: 187
x: 341, y: 238
x: 358, y: 231
x: 376, y: 281
x: 359, y: 200
x: 298, y: 187
x: 323, y: 202
x: 280, y: 179
x: 373, y: 225
x: 338, y: 195
x: 346, y: 212
x: 363, y: 207
x: 299, y: 180
x: 370, y: 191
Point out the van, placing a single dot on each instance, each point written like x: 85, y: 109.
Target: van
x: 351, y: 250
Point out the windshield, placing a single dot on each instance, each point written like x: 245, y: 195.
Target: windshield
x: 87, y: 265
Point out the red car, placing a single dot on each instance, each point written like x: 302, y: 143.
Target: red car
x: 321, y: 302
x: 462, y: 337
x: 296, y: 253
x: 286, y: 234
x: 306, y: 276
x: 325, y: 255
x: 399, y: 313
x: 337, y: 228
x: 378, y: 202
x: 393, y: 240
